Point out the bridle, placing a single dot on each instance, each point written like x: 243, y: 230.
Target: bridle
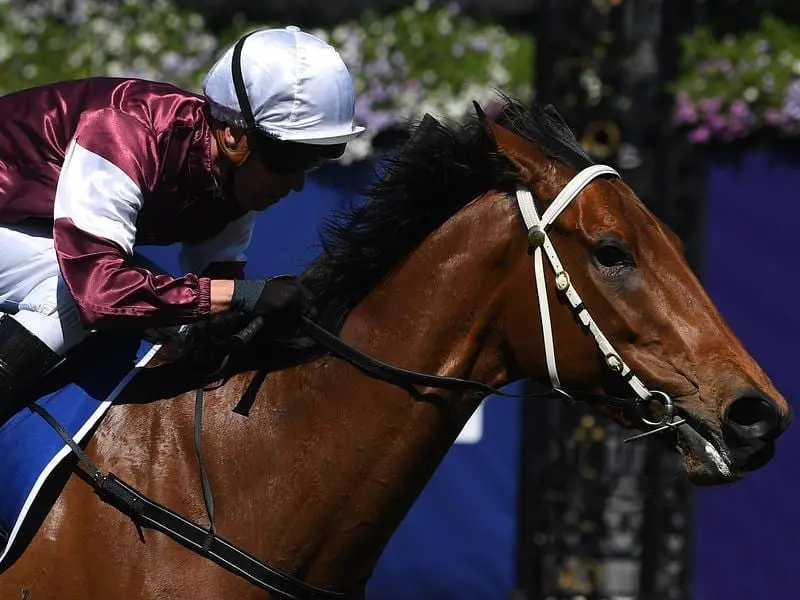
x: 539, y: 245
x: 205, y: 541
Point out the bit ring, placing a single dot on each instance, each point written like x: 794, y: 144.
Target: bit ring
x: 669, y: 409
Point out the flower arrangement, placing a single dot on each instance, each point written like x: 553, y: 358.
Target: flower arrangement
x: 423, y: 59
x: 737, y: 86
x: 419, y: 59
x: 53, y: 40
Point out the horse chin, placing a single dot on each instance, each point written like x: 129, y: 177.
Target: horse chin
x: 705, y: 463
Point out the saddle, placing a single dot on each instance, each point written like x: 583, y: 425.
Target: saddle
x: 77, y: 394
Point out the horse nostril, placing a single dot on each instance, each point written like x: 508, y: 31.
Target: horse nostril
x: 753, y: 417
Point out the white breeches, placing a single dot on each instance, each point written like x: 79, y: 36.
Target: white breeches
x: 32, y: 290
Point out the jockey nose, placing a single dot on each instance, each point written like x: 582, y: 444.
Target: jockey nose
x: 750, y: 425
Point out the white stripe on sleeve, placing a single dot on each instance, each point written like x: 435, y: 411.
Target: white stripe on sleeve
x: 98, y: 196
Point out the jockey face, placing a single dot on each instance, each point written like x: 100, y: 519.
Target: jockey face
x: 274, y: 168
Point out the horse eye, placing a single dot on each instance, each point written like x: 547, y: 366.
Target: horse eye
x: 612, y: 254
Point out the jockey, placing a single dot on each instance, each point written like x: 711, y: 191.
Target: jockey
x: 89, y: 169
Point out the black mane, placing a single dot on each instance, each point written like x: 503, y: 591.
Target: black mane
x: 437, y: 172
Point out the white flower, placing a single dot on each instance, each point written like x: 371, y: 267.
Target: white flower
x: 99, y: 26
x: 75, y: 60
x: 762, y: 61
x: 500, y: 76
x: 148, y: 42
x: 115, y: 41
x: 173, y: 21
x: 29, y: 71
x: 6, y: 50
x: 422, y: 5
x: 114, y: 68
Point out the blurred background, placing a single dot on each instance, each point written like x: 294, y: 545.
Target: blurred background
x: 696, y: 102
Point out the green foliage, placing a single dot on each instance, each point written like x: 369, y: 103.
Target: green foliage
x: 419, y: 59
x: 734, y: 85
x: 53, y: 40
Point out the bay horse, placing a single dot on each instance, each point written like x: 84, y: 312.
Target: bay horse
x: 434, y: 272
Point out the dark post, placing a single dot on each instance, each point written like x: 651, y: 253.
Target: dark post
x: 599, y: 518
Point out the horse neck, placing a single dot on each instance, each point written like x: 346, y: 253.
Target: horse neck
x: 337, y: 458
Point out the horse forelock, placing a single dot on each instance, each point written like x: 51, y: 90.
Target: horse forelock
x: 442, y: 168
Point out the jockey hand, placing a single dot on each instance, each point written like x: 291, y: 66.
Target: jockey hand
x: 280, y: 300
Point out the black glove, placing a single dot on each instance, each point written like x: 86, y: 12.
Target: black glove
x: 280, y: 300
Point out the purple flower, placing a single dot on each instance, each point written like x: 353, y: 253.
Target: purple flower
x: 774, y: 117
x: 453, y: 8
x: 710, y: 106
x: 413, y: 85
x: 725, y: 66
x: 741, y: 112
x: 734, y: 131
x: 789, y: 127
x: 480, y: 43
x: 762, y: 46
x: 398, y: 59
x: 381, y: 120
x: 685, y: 110
x: 791, y: 101
x: 700, y: 135
x: 717, y: 123
x: 378, y: 68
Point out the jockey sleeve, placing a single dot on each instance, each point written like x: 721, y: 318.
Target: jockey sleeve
x: 108, y: 169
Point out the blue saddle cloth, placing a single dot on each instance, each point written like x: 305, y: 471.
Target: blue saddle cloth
x: 80, y: 394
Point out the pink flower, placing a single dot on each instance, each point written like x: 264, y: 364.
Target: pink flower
x: 773, y: 117
x: 700, y: 135
x: 685, y: 111
x: 710, y: 106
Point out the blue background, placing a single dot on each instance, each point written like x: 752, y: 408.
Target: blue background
x: 747, y: 535
x: 458, y: 541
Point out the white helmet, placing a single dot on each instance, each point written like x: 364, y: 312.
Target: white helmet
x: 286, y: 83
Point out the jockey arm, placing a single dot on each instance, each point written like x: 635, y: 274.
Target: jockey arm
x: 108, y: 167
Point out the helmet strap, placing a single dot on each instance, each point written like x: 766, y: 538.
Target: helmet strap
x: 238, y: 84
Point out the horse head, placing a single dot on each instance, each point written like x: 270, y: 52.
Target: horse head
x: 635, y: 284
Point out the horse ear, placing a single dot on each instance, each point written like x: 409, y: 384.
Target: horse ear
x: 526, y: 157
x: 479, y: 112
x: 551, y: 112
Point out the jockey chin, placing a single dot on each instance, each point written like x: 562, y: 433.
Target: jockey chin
x: 90, y: 169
